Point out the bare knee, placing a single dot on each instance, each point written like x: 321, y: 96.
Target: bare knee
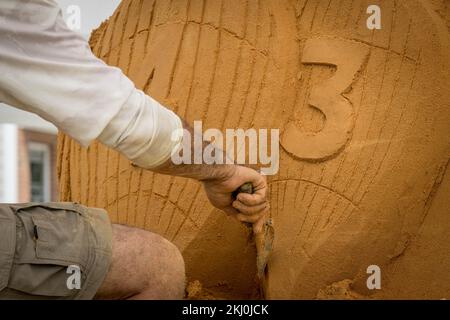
x: 166, y: 278
x: 144, y: 266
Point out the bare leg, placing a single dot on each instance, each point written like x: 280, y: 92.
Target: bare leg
x: 144, y: 266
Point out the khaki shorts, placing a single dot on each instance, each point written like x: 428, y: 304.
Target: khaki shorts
x: 53, y: 250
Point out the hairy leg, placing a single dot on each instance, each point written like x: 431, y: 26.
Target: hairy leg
x: 144, y: 266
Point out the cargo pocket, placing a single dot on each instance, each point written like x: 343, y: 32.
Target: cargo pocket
x: 7, y: 244
x: 52, y: 240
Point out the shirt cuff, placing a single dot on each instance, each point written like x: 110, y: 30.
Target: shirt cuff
x: 144, y: 131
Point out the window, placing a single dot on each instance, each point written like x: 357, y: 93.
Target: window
x: 39, y: 157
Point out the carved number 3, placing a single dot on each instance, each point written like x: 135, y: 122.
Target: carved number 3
x: 348, y: 57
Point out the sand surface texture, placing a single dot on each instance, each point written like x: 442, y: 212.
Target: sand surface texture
x: 364, y: 117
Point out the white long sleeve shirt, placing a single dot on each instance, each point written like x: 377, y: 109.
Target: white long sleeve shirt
x: 47, y: 69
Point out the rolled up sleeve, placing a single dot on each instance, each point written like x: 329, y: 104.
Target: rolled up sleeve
x: 49, y: 70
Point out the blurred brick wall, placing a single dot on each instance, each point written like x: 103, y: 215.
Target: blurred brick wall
x: 25, y: 137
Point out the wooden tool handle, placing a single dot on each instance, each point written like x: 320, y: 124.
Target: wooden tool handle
x: 245, y: 188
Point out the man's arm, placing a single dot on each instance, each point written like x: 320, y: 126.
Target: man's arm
x: 221, y: 180
x: 49, y: 70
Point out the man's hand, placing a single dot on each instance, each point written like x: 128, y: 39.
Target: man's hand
x: 221, y: 180
x: 251, y: 208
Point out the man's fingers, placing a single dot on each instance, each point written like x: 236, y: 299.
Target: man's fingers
x: 260, y: 184
x: 258, y: 180
x: 259, y: 224
x: 250, y: 210
x: 251, y: 199
x: 258, y: 220
x: 251, y: 219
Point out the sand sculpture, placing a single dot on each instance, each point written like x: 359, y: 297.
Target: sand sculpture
x: 365, y: 125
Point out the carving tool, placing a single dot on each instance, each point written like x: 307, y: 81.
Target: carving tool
x: 263, y: 240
